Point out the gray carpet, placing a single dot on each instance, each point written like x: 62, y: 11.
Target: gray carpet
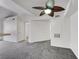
x: 40, y: 50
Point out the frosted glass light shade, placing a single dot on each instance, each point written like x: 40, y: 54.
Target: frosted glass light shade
x: 50, y: 3
x: 47, y: 11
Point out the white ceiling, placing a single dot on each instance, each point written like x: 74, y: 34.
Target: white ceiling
x: 28, y: 4
x: 4, y: 12
x: 25, y: 7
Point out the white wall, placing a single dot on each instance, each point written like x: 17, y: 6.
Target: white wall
x: 68, y: 29
x: 60, y: 26
x: 39, y: 31
x: 74, y: 33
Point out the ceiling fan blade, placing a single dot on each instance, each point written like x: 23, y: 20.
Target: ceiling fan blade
x: 42, y: 13
x: 51, y: 14
x: 39, y: 8
x: 58, y: 9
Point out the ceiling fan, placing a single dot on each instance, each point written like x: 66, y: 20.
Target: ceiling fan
x: 49, y: 8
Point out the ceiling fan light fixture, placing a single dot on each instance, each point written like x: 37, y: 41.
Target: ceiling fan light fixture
x: 47, y: 11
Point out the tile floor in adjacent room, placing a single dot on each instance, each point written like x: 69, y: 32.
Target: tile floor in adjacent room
x: 40, y: 50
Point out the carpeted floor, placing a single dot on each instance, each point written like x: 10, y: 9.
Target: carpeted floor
x: 40, y: 50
